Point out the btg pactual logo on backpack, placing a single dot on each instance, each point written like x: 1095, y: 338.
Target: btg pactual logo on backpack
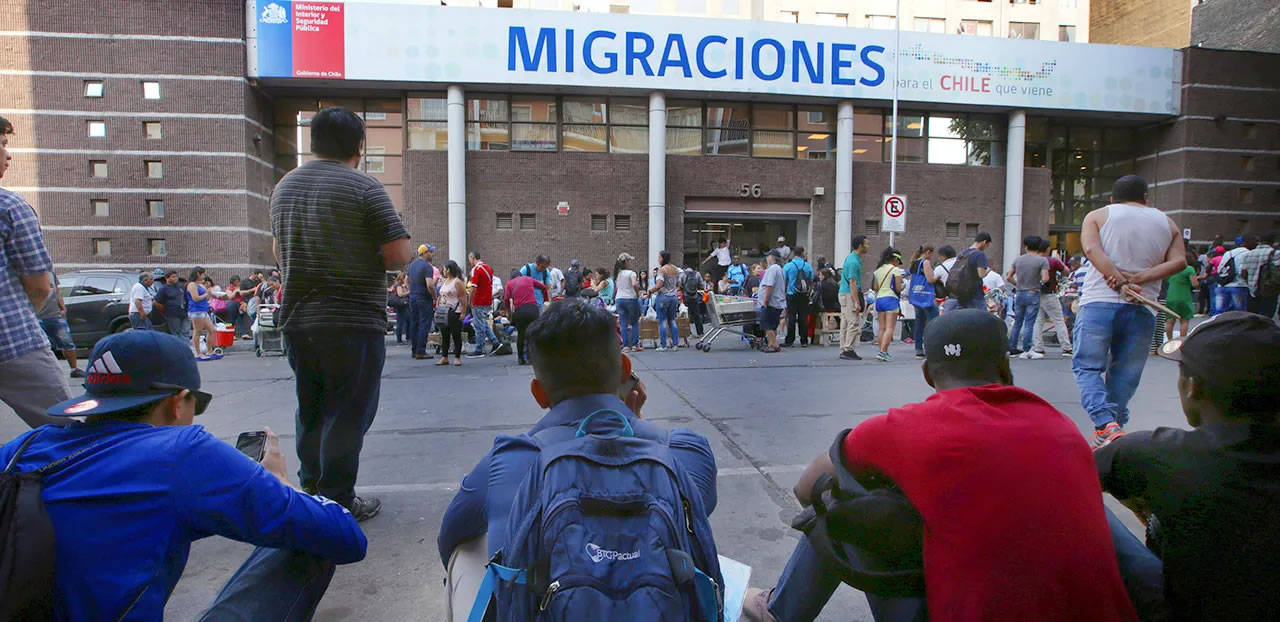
x: 598, y: 554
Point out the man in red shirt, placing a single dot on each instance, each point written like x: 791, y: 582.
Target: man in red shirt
x: 521, y: 300
x: 1014, y: 525
x: 481, y: 287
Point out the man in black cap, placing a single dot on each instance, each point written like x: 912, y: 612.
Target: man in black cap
x: 1213, y: 490
x: 1013, y: 514
x: 138, y: 482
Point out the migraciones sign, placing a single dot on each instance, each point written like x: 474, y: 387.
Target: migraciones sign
x: 403, y: 42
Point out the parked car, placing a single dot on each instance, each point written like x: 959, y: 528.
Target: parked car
x: 98, y: 304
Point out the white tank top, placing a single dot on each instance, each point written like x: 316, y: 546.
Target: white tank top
x: 1135, y: 238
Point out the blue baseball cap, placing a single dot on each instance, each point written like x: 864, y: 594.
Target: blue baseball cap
x: 133, y: 369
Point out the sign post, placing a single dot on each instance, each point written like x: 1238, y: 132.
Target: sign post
x: 895, y: 215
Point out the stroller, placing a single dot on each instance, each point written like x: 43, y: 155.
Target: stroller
x: 266, y: 335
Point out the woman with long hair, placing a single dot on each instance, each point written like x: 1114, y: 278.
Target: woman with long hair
x: 603, y: 285
x: 398, y: 299
x: 923, y: 296
x: 886, y: 282
x: 665, y: 284
x: 627, y: 298
x: 199, y: 311
x: 642, y: 280
x: 451, y: 305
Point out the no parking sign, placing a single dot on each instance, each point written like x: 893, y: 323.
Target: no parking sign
x: 895, y: 213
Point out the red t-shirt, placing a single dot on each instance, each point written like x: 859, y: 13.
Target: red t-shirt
x: 1012, y: 506
x: 482, y: 278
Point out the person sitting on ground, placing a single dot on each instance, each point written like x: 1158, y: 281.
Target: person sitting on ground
x: 141, y: 483
x: 1208, y: 495
x: 578, y: 369
x: 999, y: 544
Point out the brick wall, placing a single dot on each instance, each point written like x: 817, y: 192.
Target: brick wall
x: 1154, y: 23
x: 1237, y: 25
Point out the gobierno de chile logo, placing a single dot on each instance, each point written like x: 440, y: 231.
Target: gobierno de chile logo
x: 273, y: 14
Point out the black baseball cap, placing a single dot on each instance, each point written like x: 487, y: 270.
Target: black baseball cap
x: 133, y: 369
x: 1230, y: 349
x: 970, y: 337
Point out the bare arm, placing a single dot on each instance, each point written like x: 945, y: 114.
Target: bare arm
x: 1044, y: 275
x: 926, y: 266
x: 1008, y: 276
x: 396, y: 254
x: 1175, y: 259
x: 821, y: 464
x: 38, y: 288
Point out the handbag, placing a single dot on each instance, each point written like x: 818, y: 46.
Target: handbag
x: 396, y: 301
x: 442, y: 314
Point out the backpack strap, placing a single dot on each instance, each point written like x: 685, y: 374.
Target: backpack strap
x: 493, y: 572
x: 21, y: 449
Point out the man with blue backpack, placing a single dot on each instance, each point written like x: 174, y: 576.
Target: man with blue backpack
x: 594, y: 513
x: 799, y: 287
x: 738, y: 273
x: 539, y: 270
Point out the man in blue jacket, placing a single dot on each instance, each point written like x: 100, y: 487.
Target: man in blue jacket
x: 578, y: 368
x: 142, y: 483
x: 797, y: 300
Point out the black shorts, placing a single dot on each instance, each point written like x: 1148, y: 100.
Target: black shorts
x: 770, y: 318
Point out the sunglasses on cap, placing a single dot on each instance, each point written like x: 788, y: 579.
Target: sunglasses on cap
x: 202, y: 398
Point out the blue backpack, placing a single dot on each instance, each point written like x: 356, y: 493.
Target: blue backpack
x: 920, y: 292
x: 605, y: 527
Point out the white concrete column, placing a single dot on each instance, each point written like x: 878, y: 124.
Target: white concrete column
x: 844, y: 182
x: 1014, y: 158
x: 457, y: 182
x: 657, y: 178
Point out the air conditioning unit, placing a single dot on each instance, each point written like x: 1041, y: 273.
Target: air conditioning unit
x: 819, y: 191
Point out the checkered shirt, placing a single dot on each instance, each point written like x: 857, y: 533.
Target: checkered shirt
x: 22, y: 253
x: 1252, y: 263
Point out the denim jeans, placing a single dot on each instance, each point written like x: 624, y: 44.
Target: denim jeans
x: 339, y: 376
x: 402, y: 325
x: 924, y: 315
x: 423, y: 311
x: 1111, y: 338
x: 1213, y: 299
x: 804, y: 589
x: 139, y: 322
x: 629, y: 314
x: 1026, y: 308
x: 273, y: 584
x: 667, y: 307
x: 1141, y: 570
x: 483, y: 327
x: 1233, y: 299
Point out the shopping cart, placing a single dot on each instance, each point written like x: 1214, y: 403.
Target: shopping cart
x: 729, y: 314
x: 268, y: 338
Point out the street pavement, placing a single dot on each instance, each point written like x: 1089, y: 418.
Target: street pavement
x: 766, y: 415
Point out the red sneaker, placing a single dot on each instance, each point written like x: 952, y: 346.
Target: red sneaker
x: 1109, y: 433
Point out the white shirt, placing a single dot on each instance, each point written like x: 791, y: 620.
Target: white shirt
x: 993, y: 280
x: 497, y: 286
x: 1234, y: 253
x: 1135, y: 237
x: 139, y: 291
x: 722, y: 256
x: 555, y: 282
x: 943, y: 270
x: 625, y: 286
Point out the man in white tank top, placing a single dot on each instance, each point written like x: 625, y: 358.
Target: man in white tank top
x: 1131, y: 248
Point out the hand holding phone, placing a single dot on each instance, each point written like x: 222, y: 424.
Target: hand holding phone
x: 632, y: 393
x: 253, y: 444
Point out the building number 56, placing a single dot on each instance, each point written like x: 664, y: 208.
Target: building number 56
x: 749, y: 190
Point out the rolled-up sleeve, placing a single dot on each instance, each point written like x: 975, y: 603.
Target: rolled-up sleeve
x: 693, y: 451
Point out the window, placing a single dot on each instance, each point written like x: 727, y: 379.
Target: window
x: 873, y: 227
x: 1024, y: 30
x: 953, y: 229
x: 815, y: 132
x: 528, y: 222
x: 97, y: 129
x: 882, y: 22
x: 1066, y: 33
x: 728, y: 129
x: 930, y: 24
x: 101, y: 208
x: 1249, y: 130
x: 971, y: 230
x: 375, y: 162
x: 97, y: 168
x: 628, y: 125
x: 773, y: 134
x: 428, y: 125
x: 684, y: 118
x: 585, y: 127
x: 533, y: 123
x: 156, y: 247
x: 487, y: 128
x: 1022, y: 1
x: 622, y: 222
x: 831, y: 19
x: 599, y: 222
x: 792, y: 17
x: 1246, y: 163
x: 93, y: 88
x: 155, y: 208
x: 152, y: 129
x: 101, y: 247
x: 151, y: 90
x: 979, y: 27
x: 155, y: 170
x: 504, y: 220
x: 1246, y: 195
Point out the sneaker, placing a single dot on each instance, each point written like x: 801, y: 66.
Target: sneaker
x: 908, y: 340
x: 673, y: 348
x: 755, y: 605
x: 1033, y: 355
x: 919, y: 355
x: 626, y: 350
x: 476, y: 355
x: 1014, y: 352
x: 883, y: 357
x: 78, y: 373
x: 1066, y: 354
x: 1026, y: 355
x: 850, y: 355
x: 364, y: 508
x: 888, y: 358
x: 660, y: 349
x: 1108, y: 433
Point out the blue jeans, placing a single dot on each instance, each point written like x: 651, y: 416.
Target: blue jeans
x: 402, y: 325
x: 804, y: 589
x: 339, y: 378
x: 629, y: 314
x: 1141, y: 570
x: 1213, y: 299
x: 483, y: 327
x: 1026, y: 309
x: 1233, y: 299
x: 1111, y: 338
x: 422, y: 312
x: 924, y: 315
x: 666, y: 307
x: 273, y: 584
x: 139, y: 322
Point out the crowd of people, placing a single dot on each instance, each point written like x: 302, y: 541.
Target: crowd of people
x: 125, y: 491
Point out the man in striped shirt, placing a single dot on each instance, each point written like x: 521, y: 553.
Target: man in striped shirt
x: 336, y: 234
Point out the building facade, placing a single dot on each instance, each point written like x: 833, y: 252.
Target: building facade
x: 1156, y: 23
x: 155, y: 139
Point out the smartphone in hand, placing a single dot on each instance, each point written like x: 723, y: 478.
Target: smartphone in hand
x: 253, y: 444
x: 628, y: 386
